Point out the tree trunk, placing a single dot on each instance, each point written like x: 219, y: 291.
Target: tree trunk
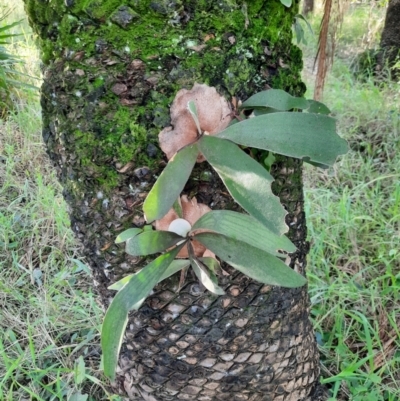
x: 390, y: 41
x: 111, y: 71
x: 308, y: 7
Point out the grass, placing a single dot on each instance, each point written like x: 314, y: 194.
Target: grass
x: 49, y: 319
x: 353, y: 215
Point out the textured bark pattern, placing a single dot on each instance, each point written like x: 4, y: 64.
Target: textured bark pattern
x: 391, y: 31
x: 389, y: 52
x: 308, y: 7
x: 255, y: 343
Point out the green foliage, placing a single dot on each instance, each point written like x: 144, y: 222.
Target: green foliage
x: 226, y: 236
x: 205, y: 275
x: 170, y: 183
x: 150, y: 242
x: 276, y: 99
x: 299, y: 30
x: 128, y: 298
x: 352, y: 217
x: 317, y: 107
x: 48, y: 314
x: 286, y: 3
x: 127, y: 234
x: 246, y: 180
x: 308, y: 136
x: 244, y: 228
x: 251, y: 244
x: 175, y: 266
x: 252, y: 261
x: 11, y: 78
x: 7, y: 61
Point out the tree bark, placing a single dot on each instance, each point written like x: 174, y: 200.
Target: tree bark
x: 308, y: 7
x: 111, y: 71
x: 390, y: 40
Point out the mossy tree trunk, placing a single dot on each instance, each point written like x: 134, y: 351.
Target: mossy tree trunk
x: 390, y: 39
x: 111, y: 70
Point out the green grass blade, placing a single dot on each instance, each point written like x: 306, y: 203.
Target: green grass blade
x: 10, y: 364
x: 8, y: 27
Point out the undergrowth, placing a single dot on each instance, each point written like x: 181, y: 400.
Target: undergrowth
x: 49, y: 319
x: 353, y: 216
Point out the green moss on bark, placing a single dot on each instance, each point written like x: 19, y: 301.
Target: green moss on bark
x: 238, y: 46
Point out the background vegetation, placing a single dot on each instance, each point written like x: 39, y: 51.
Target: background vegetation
x: 49, y: 319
